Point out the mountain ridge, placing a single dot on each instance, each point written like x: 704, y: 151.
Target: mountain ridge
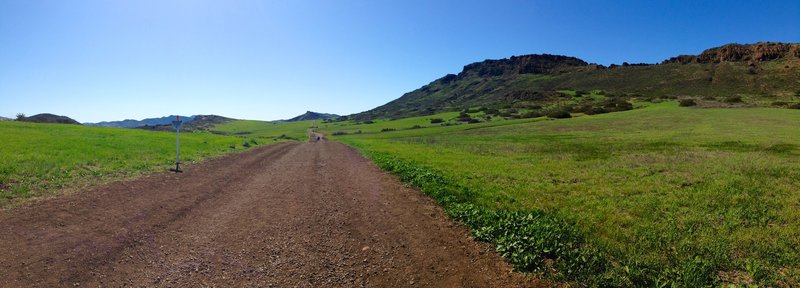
x: 762, y: 70
x: 309, y: 115
x: 132, y: 123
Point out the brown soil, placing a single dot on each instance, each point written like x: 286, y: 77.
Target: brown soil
x: 284, y: 215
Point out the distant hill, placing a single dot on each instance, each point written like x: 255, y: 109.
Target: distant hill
x: 4, y: 118
x: 130, y: 123
x: 312, y: 116
x: 49, y: 118
x: 199, y: 122
x: 760, y: 73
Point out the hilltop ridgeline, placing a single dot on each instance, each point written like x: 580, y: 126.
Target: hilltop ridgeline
x: 759, y: 52
x: 767, y: 70
x: 309, y: 115
x: 525, y: 64
x: 49, y: 118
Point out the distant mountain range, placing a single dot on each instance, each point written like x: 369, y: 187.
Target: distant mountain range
x: 4, y: 118
x: 760, y: 73
x: 199, y: 122
x: 311, y: 116
x: 130, y: 123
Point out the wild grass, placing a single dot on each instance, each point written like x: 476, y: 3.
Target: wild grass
x: 667, y: 195
x: 41, y: 159
x: 265, y: 129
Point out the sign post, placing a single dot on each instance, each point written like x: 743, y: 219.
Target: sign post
x: 177, y: 124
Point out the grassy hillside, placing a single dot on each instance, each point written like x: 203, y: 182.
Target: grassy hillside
x: 663, y: 195
x: 40, y: 159
x: 265, y: 129
x: 502, y: 84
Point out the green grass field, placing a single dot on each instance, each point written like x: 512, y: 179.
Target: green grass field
x: 666, y: 195
x: 41, y: 159
x: 265, y: 129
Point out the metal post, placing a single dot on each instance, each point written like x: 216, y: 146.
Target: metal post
x: 177, y: 124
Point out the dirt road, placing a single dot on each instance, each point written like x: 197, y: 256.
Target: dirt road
x: 285, y: 215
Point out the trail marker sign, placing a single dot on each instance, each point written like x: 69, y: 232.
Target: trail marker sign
x: 177, y: 123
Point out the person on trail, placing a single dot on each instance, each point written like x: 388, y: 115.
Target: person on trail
x: 318, y: 138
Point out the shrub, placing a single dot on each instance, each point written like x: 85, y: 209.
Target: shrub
x: 531, y: 114
x: 709, y: 98
x: 492, y: 111
x: 246, y: 144
x: 535, y: 107
x: 369, y: 122
x: 595, y: 110
x: 387, y: 129
x: 687, y: 103
x: 733, y: 99
x: 464, y: 118
x: 357, y: 132
x: 779, y: 103
x: 20, y: 116
x: 415, y: 127
x: 559, y: 114
x: 437, y: 120
x: 473, y: 120
x: 794, y: 106
x: 338, y: 133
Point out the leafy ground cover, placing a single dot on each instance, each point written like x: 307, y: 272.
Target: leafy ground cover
x: 657, y: 196
x: 39, y: 159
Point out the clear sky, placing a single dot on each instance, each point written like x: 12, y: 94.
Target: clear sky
x: 261, y: 59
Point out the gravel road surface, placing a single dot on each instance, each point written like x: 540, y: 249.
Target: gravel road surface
x: 286, y: 215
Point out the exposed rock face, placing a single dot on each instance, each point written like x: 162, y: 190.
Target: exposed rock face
x: 525, y: 64
x: 759, y: 52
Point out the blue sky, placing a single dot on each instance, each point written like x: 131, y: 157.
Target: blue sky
x: 111, y: 60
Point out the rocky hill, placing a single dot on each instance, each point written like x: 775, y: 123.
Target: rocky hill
x: 49, y: 118
x: 760, y: 73
x: 312, y: 116
x: 759, y: 52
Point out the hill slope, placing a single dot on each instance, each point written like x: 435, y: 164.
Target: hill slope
x: 312, y: 116
x: 130, y: 123
x: 50, y: 118
x: 199, y: 122
x: 760, y: 73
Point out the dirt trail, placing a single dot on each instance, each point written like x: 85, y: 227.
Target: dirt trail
x: 285, y: 215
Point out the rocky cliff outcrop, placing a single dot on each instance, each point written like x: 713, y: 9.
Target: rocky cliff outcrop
x: 525, y: 64
x: 759, y: 52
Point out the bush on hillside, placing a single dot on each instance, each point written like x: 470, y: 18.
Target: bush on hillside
x: 794, y: 106
x: 531, y: 114
x: 779, y: 103
x: 492, y: 111
x: 687, y: 103
x: 733, y: 99
x: 437, y: 120
x: 559, y: 114
x: 387, y: 129
x: 338, y: 133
